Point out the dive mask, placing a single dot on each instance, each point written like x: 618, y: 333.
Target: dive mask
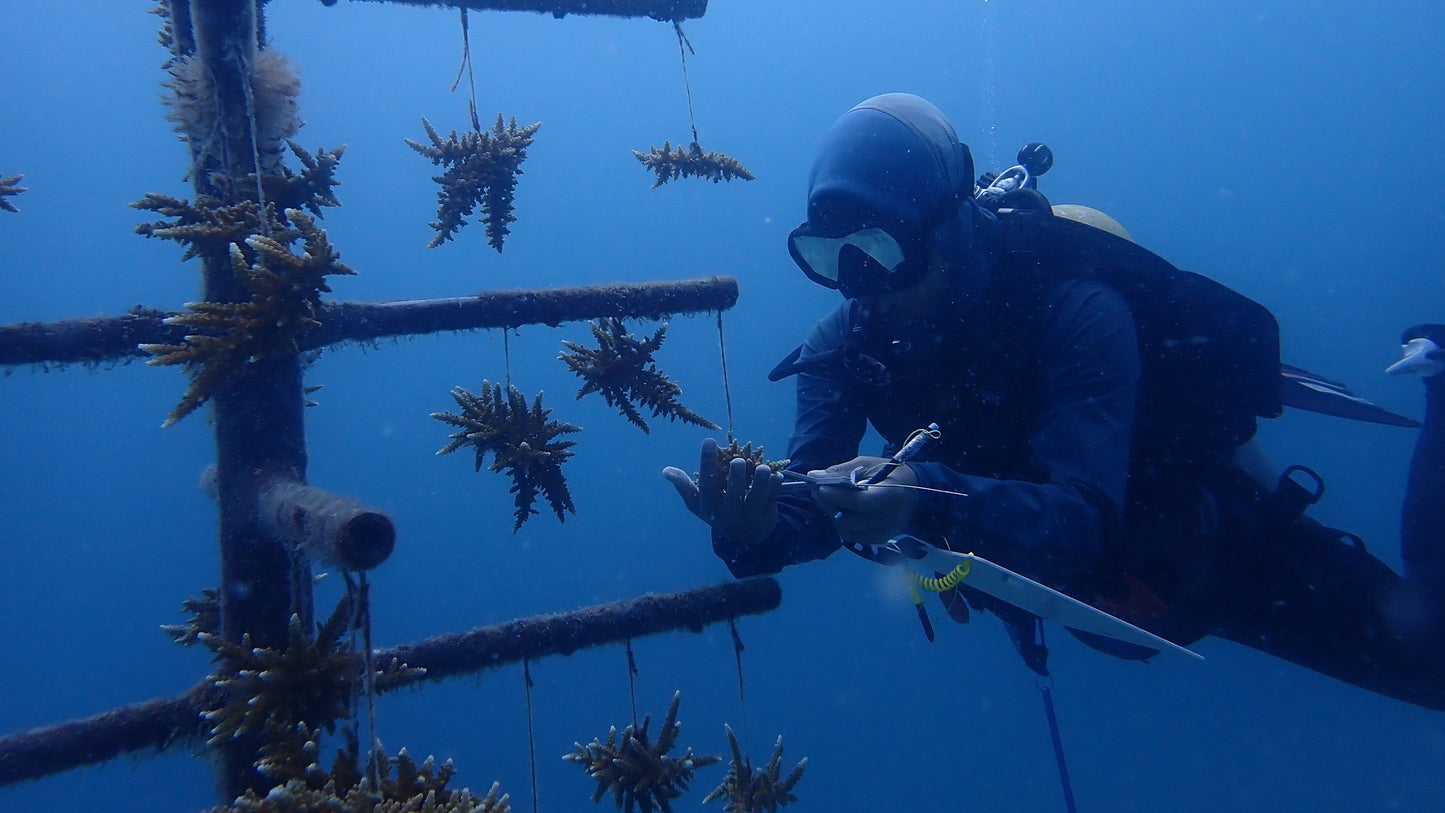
x: 868, y: 260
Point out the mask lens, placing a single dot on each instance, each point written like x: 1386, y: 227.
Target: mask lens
x: 866, y: 259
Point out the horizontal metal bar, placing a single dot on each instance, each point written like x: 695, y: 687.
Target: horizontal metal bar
x: 666, y: 10
x: 156, y: 724
x: 114, y: 338
x: 565, y: 633
x: 351, y: 321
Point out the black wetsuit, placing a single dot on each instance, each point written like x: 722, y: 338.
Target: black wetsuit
x: 1044, y: 459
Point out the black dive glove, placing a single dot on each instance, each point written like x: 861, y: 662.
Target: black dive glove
x: 741, y: 510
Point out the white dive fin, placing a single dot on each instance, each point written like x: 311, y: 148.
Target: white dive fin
x: 1422, y: 357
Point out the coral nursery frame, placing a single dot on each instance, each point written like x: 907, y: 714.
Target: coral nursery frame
x: 272, y: 524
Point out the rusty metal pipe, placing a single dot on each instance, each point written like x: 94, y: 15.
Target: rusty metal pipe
x: 330, y: 528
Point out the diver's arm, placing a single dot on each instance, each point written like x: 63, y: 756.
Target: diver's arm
x: 828, y: 428
x: 1080, y: 445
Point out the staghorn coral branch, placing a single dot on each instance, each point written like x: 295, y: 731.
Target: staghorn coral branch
x: 637, y: 772
x: 669, y: 163
x: 482, y: 169
x: 9, y: 187
x: 622, y: 370
x: 747, y: 790
x: 106, y: 339
x: 224, y: 338
x: 523, y: 442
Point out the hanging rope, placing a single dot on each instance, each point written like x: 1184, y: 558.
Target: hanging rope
x: 466, y: 66
x: 250, y: 97
x: 358, y: 597
x: 507, y: 356
x: 351, y: 731
x: 364, y: 609
x: 742, y: 697
x: 683, y: 47
x: 632, y: 680
x: 727, y: 390
x: 531, y: 735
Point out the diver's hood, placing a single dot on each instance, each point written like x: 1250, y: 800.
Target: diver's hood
x: 894, y: 157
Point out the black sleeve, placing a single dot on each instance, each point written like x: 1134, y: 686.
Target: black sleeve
x: 1090, y: 362
x: 828, y: 428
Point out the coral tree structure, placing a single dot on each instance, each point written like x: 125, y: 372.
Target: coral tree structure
x: 284, y: 288
x: 308, y: 684
x: 289, y: 696
x: 639, y: 774
x: 744, y: 790
x: 669, y: 163
x: 9, y: 187
x: 522, y: 441
x: 622, y: 369
x: 211, y: 224
x: 285, y: 293
x: 482, y: 168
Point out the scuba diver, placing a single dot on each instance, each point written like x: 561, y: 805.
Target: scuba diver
x: 1094, y: 410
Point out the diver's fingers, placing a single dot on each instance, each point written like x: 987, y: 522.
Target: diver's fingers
x: 708, y: 488
x: 737, y: 489
x: 765, y: 489
x: 686, y: 488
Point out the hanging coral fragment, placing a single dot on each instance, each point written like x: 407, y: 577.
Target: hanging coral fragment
x: 522, y: 441
x: 10, y: 187
x: 482, y: 169
x: 670, y: 163
x: 746, y: 790
x: 622, y: 369
x: 639, y: 774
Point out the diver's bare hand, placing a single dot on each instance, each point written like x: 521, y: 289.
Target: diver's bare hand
x: 741, y: 510
x: 872, y: 515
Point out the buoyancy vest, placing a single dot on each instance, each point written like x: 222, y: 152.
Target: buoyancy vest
x: 1209, y: 360
x: 1209, y: 356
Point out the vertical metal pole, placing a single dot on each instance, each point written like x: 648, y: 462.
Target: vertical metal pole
x: 258, y: 412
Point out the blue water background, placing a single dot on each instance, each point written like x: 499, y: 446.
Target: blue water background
x: 1292, y: 150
